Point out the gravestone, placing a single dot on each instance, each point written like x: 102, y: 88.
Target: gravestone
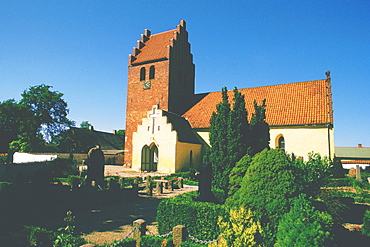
x: 95, y: 167
x: 205, y: 182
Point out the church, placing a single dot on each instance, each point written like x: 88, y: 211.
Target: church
x: 167, y: 124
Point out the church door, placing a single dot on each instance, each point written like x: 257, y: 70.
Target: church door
x: 153, y: 158
x: 149, y: 158
x: 145, y: 158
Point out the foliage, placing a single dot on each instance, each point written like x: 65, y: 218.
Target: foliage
x: 240, y: 230
x: 218, y: 154
x: 332, y: 201
x: 303, y: 225
x: 237, y: 173
x: 269, y: 184
x: 48, y: 108
x: 259, y: 129
x: 12, y: 122
x: 36, y: 236
x: 315, y: 173
x: 85, y: 125
x: 150, y: 241
x: 128, y: 242
x: 66, y: 236
x: 38, y: 116
x: 191, y: 244
x: 200, y: 218
x: 237, y: 138
x: 366, y: 222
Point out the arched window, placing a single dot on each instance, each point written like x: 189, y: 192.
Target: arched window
x: 152, y: 72
x: 142, y: 74
x: 281, y: 143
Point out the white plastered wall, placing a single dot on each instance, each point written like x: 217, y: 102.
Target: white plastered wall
x: 299, y: 140
x: 302, y: 141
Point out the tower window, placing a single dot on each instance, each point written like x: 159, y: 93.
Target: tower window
x: 152, y: 72
x: 142, y: 74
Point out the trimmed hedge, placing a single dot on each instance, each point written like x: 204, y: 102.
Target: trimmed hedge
x: 152, y: 241
x: 200, y: 218
x: 366, y: 226
x: 128, y: 242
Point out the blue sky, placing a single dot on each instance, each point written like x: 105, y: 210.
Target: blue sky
x: 81, y: 48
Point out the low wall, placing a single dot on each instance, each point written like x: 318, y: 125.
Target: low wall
x: 110, y: 159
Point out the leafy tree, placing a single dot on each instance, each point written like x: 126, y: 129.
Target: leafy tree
x: 85, y: 125
x: 259, y: 129
x: 48, y: 108
x: 303, y: 225
x: 120, y: 132
x: 11, y: 118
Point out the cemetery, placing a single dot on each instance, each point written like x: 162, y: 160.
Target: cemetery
x: 40, y: 210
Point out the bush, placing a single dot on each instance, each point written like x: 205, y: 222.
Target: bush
x: 237, y: 174
x: 240, y: 230
x: 366, y: 222
x: 152, y: 241
x: 36, y: 236
x: 191, y: 244
x: 303, y: 225
x: 268, y: 185
x: 128, y: 242
x: 200, y: 218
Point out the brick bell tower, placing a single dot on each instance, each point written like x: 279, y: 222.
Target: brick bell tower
x: 160, y: 72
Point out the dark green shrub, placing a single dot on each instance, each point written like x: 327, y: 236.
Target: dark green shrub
x: 366, y: 222
x: 36, y: 236
x: 73, y: 179
x: 303, y: 225
x: 128, y: 242
x: 200, y: 218
x: 314, y: 173
x: 153, y: 241
x: 188, y: 243
x: 269, y: 184
x: 237, y: 174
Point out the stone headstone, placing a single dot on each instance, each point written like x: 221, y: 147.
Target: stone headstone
x: 205, y: 182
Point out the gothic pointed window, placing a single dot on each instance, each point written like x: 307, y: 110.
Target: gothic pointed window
x: 151, y: 72
x: 142, y: 74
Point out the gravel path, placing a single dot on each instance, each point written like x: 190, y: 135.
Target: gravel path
x: 107, y: 223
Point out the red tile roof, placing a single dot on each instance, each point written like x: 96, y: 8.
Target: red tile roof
x: 355, y: 161
x: 302, y: 103
x: 156, y: 47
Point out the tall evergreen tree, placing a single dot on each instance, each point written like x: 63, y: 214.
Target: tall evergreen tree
x: 228, y: 139
x: 259, y: 129
x: 218, y: 154
x: 238, y: 129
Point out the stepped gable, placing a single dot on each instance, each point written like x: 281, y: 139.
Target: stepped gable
x: 183, y: 128
x: 151, y: 48
x: 293, y: 104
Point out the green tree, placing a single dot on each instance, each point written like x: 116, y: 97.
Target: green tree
x: 218, y: 153
x: 303, y: 225
x: 238, y: 129
x: 49, y: 110
x: 85, y: 125
x: 259, y: 129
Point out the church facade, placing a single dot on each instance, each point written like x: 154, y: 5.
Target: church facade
x: 167, y: 124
